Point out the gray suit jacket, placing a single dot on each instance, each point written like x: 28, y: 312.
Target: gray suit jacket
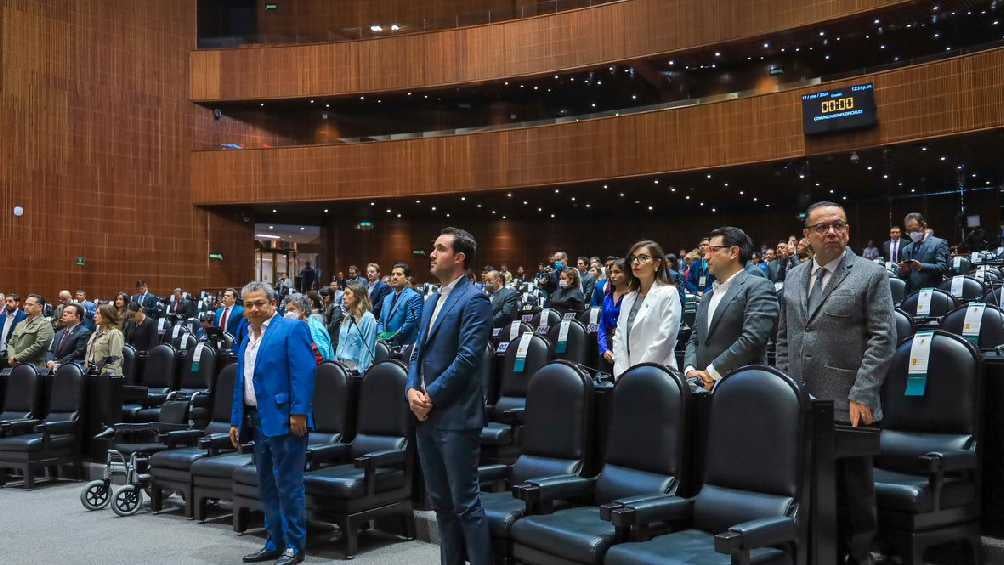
x: 933, y: 255
x: 842, y: 349
x: 743, y: 322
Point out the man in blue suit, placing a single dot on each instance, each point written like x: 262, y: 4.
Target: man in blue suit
x: 402, y: 309
x: 925, y: 258
x: 230, y: 316
x: 377, y: 288
x: 444, y: 392
x: 699, y: 278
x: 10, y: 317
x: 273, y: 395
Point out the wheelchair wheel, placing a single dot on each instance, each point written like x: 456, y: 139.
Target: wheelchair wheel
x: 95, y: 495
x: 127, y: 500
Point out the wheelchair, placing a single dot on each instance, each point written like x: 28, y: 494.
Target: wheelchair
x: 129, y: 457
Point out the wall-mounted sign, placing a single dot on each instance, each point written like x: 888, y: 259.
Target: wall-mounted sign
x: 81, y: 261
x: 215, y: 256
x: 851, y: 107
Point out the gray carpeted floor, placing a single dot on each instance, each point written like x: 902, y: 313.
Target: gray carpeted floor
x: 51, y: 526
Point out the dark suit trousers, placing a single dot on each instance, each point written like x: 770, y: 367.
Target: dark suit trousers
x: 857, y: 517
x: 280, y: 461
x: 449, y: 461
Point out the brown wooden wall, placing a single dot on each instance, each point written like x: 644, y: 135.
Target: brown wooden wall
x: 579, y: 38
x: 935, y: 99
x: 95, y: 144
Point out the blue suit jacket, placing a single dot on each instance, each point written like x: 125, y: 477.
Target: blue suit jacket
x: 235, y: 321
x: 379, y: 292
x: 403, y: 317
x: 283, y: 377
x: 451, y: 357
x: 693, y: 281
x: 19, y: 317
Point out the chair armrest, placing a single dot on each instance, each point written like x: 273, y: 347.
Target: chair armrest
x: 188, y: 437
x: 64, y: 427
x: 763, y: 532
x: 491, y: 473
x: 201, y: 399
x: 540, y: 494
x: 135, y: 393
x: 18, y: 427
x: 370, y: 462
x: 215, y: 443
x: 513, y: 417
x: 950, y: 461
x: 328, y: 453
x: 135, y: 428
x: 658, y: 509
x: 606, y: 510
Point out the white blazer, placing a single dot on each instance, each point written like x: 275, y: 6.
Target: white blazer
x: 653, y: 335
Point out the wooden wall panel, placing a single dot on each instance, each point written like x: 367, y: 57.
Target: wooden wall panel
x: 936, y: 99
x: 96, y: 147
x: 579, y: 38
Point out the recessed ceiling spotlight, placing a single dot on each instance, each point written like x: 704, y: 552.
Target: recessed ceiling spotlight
x: 325, y: 210
x: 372, y: 203
x: 274, y: 211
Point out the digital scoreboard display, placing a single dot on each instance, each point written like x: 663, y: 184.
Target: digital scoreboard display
x: 852, y: 107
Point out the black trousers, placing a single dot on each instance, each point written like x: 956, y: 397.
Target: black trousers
x: 857, y: 516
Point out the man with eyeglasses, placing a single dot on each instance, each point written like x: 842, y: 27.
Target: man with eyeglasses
x: 837, y: 336
x: 735, y: 320
x: 925, y: 260
x: 32, y: 337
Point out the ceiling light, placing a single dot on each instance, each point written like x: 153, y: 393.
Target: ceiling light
x: 503, y: 217
x: 524, y: 203
x: 274, y: 211
x: 506, y: 83
x: 271, y: 227
x: 418, y: 202
x: 588, y: 205
x: 621, y: 195
x: 650, y: 208
x: 262, y: 105
x: 302, y: 228
x: 372, y: 203
x: 409, y: 94
x: 552, y: 216
x: 714, y: 210
x: 709, y: 175
x: 508, y: 195
x: 718, y: 53
x: 463, y: 199
x: 376, y: 28
x: 741, y: 193
x: 433, y: 208
x: 479, y: 205
x: 388, y: 210
x: 399, y: 214
x: 604, y: 187
x: 447, y: 214
x: 637, y: 201
x: 573, y: 198
x: 766, y: 45
x: 267, y: 236
x: 557, y: 190
x: 702, y: 203
x: 671, y: 63
x: 656, y: 181
x: 869, y: 167
x: 311, y: 101
x: 672, y: 189
x: 687, y: 197
x: 540, y: 209
x: 394, y: 27
x: 325, y: 210
x: 942, y: 157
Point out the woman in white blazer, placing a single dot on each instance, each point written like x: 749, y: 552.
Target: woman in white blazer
x: 649, y: 319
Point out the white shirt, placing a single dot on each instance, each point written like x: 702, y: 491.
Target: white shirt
x: 720, y: 288
x: 894, y: 250
x: 444, y: 293
x: 831, y: 268
x: 250, y: 356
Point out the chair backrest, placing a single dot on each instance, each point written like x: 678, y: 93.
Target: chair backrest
x: 129, y: 364
x: 557, y: 429
x: 66, y: 393
x: 332, y: 403
x: 904, y: 324
x: 544, y: 320
x: 941, y: 304
x: 381, y: 352
x: 964, y: 288
x: 945, y: 416
x: 382, y: 417
x: 515, y: 379
x: 489, y: 382
x: 898, y: 288
x: 647, y: 436
x: 158, y: 369
x: 757, y: 458
x: 991, y: 332
x: 510, y: 331
x: 24, y: 393
x: 223, y: 398
x: 198, y: 375
x: 569, y: 341
x: 590, y: 318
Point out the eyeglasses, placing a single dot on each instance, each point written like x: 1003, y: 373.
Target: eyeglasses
x: 715, y: 248
x: 822, y: 229
x: 260, y: 304
x: 639, y: 259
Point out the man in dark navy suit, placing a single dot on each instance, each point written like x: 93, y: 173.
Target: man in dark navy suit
x: 444, y: 392
x: 273, y: 399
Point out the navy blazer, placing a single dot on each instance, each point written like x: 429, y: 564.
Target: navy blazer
x: 235, y: 321
x: 451, y: 357
x: 401, y: 317
x: 932, y: 253
x: 70, y: 348
x: 19, y: 317
x: 377, y: 294
x: 284, y: 374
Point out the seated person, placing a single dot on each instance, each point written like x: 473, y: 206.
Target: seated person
x: 70, y: 343
x: 298, y: 307
x: 140, y: 329
x: 568, y: 297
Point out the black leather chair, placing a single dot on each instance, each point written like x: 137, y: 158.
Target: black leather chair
x: 382, y: 352
x: 556, y: 440
x: 904, y: 325
x: 647, y: 444
x: 130, y: 364
x: 970, y: 289
x: 376, y: 480
x: 172, y: 470
x: 590, y: 320
x: 334, y: 417
x: 544, y: 320
x: 30, y: 444
x: 898, y: 288
x: 927, y: 474
x: 991, y: 326
x: 23, y: 396
x: 756, y: 483
x: 941, y: 303
x: 574, y: 347
x: 197, y: 376
x: 961, y: 265
x: 142, y: 402
x: 500, y: 434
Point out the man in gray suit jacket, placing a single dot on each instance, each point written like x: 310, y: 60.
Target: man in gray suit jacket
x: 504, y: 300
x: 735, y: 320
x: 837, y: 336
x: 925, y: 260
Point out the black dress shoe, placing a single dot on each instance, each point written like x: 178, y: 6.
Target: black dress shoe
x: 262, y: 555
x: 289, y: 557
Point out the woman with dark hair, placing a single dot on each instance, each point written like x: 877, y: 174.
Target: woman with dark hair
x: 568, y: 296
x: 614, y: 291
x: 140, y: 330
x: 649, y: 318
x: 104, y: 349
x: 121, y: 304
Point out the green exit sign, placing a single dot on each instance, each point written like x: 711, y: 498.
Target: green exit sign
x: 215, y: 256
x: 271, y: 7
x: 81, y: 261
